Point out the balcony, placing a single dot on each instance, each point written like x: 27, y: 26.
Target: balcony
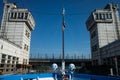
x: 22, y: 15
x: 99, y: 16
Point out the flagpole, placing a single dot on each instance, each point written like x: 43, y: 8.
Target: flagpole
x: 63, y: 61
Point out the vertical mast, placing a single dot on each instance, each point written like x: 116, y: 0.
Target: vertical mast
x: 63, y: 26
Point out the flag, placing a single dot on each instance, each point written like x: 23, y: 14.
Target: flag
x: 63, y: 26
x: 63, y: 22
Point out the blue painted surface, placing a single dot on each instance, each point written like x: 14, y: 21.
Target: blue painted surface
x: 95, y: 77
x: 45, y: 75
x: 25, y: 76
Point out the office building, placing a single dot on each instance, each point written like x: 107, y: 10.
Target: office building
x: 104, y: 28
x: 15, y: 35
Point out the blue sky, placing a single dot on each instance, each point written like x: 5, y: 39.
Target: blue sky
x: 47, y: 36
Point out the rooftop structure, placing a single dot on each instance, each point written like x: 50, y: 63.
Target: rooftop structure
x: 15, y: 36
x: 104, y: 27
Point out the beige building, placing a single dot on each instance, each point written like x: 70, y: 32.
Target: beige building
x: 15, y: 36
x: 104, y: 28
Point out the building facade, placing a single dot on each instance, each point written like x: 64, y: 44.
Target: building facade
x: 15, y: 36
x: 104, y: 28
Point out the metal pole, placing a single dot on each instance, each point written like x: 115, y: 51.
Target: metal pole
x: 62, y: 45
x: 63, y: 62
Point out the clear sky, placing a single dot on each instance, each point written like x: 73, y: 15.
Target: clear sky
x: 47, y: 37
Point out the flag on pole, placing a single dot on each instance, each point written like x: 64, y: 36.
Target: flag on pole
x: 63, y: 22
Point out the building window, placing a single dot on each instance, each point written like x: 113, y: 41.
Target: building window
x: 3, y: 56
x: 1, y: 46
x: 110, y: 16
x: 14, y: 58
x: 20, y: 15
x: 8, y: 65
x: 12, y: 65
x: 100, y: 15
x: 26, y: 15
x: 1, y: 65
x: 103, y: 16
x: 12, y: 15
x: 27, y: 34
x: 97, y: 16
x: 13, y: 62
x: 9, y: 57
x: 8, y: 61
x: 17, y: 58
x: 7, y: 70
x: 3, y: 61
x: 15, y: 16
x: 26, y: 47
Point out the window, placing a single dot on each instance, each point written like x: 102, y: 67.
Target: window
x: 1, y: 65
x: 17, y: 58
x: 26, y: 15
x: 15, y: 16
x: 16, y: 62
x: 3, y: 56
x: 12, y: 65
x: 1, y: 46
x: 7, y: 70
x: 13, y: 58
x: 2, y: 61
x: 13, y: 62
x: 100, y: 16
x: 97, y: 16
x: 26, y: 47
x: 8, y: 65
x: 8, y: 61
x: 9, y: 57
x: 109, y: 16
x: 20, y: 15
x: 12, y: 15
x: 103, y: 16
x: 27, y: 34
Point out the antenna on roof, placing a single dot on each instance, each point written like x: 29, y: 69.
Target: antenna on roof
x: 4, y: 1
